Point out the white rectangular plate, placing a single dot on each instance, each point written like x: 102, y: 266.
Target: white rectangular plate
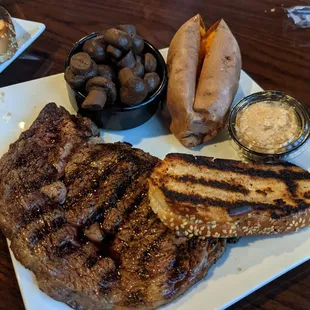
x: 245, y: 266
x: 26, y: 32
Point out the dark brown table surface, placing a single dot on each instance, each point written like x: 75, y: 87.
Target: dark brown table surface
x: 275, y: 53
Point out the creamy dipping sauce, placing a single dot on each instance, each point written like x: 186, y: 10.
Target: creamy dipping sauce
x: 267, y: 126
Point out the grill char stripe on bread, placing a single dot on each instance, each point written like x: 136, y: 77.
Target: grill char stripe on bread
x: 137, y: 264
x: 201, y: 196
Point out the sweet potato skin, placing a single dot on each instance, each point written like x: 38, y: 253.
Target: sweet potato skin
x: 220, y: 74
x: 199, y: 109
x: 185, y: 45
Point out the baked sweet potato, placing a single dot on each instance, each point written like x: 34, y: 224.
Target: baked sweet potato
x: 204, y: 70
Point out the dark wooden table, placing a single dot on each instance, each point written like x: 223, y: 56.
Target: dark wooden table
x: 275, y: 53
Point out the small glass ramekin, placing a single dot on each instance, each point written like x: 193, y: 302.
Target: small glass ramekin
x: 285, y: 153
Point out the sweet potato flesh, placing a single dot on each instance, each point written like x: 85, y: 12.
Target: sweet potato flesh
x: 2, y: 27
x: 206, y: 41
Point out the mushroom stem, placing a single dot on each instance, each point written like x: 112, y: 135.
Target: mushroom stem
x: 95, y: 99
x: 115, y: 52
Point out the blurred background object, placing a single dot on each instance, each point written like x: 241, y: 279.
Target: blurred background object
x: 300, y: 15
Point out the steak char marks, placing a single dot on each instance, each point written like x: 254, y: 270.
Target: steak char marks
x: 101, y: 247
x: 38, y: 158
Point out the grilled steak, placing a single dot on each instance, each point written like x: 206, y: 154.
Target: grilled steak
x: 201, y: 196
x: 36, y: 159
x: 81, y: 220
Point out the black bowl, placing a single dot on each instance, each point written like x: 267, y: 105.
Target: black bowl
x: 118, y: 117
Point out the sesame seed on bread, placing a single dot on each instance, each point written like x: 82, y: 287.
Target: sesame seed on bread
x: 207, y: 197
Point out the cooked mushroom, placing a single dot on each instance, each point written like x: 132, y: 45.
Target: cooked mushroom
x: 134, y: 89
x: 107, y: 72
x: 137, y: 45
x: 101, y: 91
x: 114, y: 52
x: 96, y: 49
x: 138, y: 69
x: 153, y: 80
x: 127, y: 61
x: 150, y: 63
x: 124, y: 75
x: 130, y: 29
x: 81, y: 63
x: 118, y: 38
x: 92, y: 72
x: 137, y: 41
x: 75, y: 81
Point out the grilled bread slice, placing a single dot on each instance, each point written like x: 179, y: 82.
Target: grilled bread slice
x: 207, y: 197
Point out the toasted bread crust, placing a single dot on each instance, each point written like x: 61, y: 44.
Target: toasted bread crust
x: 201, y: 196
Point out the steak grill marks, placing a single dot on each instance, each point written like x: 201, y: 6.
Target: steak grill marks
x: 32, y: 162
x: 39, y: 234
x: 112, y: 184
x: 28, y: 216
